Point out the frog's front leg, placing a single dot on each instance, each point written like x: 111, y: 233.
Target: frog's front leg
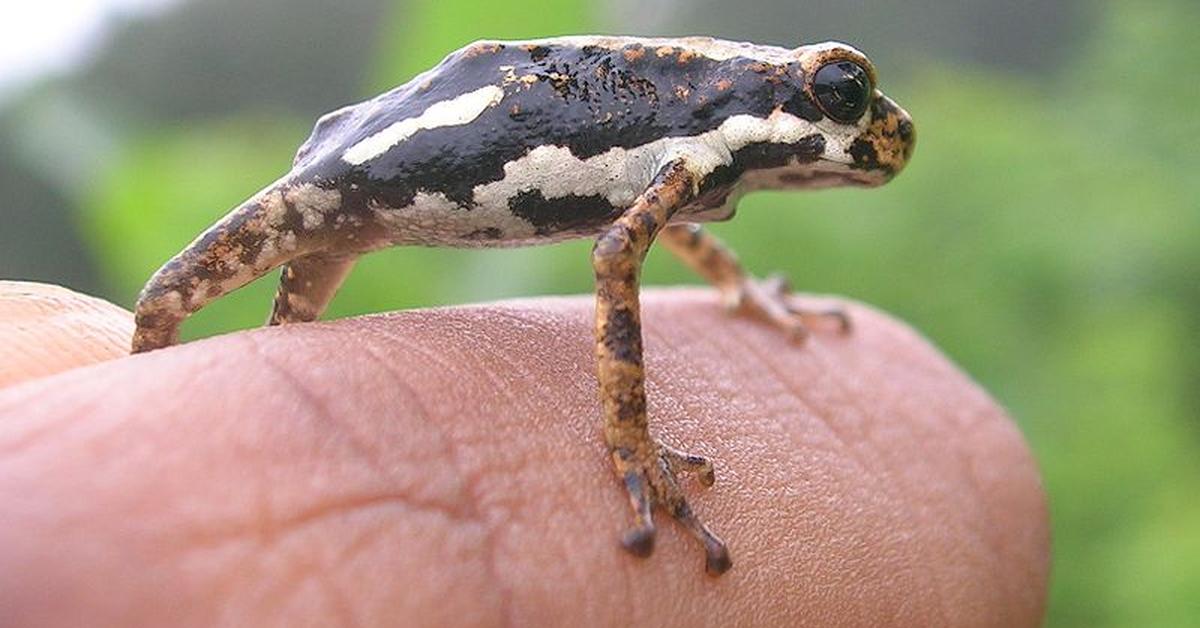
x: 769, y: 300
x: 646, y: 467
x: 306, y: 285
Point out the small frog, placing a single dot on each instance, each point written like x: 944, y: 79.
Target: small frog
x: 514, y: 143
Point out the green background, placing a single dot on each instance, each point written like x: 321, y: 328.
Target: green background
x: 1046, y: 234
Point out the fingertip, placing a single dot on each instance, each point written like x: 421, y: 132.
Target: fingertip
x: 47, y: 329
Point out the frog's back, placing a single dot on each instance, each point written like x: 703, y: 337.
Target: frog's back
x: 514, y: 142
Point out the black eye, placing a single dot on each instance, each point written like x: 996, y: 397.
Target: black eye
x: 843, y: 90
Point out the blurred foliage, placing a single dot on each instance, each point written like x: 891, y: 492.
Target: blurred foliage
x: 203, y: 58
x: 295, y: 55
x: 1045, y: 236
x: 1034, y: 35
x: 421, y: 32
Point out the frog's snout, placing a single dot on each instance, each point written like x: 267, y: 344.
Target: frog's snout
x: 885, y: 146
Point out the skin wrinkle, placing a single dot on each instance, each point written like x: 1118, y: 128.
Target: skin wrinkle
x: 848, y: 401
x: 358, y: 545
x: 340, y: 601
x: 582, y: 514
x: 498, y: 383
x: 228, y: 588
x: 660, y: 397
x: 278, y: 527
x: 471, y: 503
x: 885, y: 479
x: 270, y: 524
x: 344, y: 506
x: 698, y: 338
x: 363, y: 444
x: 466, y: 513
x: 313, y: 569
x: 221, y: 590
x: 366, y: 454
x: 500, y: 386
x: 206, y: 538
x: 532, y: 324
x: 306, y: 569
x: 781, y: 428
x: 539, y: 327
x: 823, y: 418
x: 729, y: 478
x: 809, y: 409
x: 929, y: 565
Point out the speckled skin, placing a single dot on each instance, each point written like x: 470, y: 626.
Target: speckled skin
x: 518, y: 143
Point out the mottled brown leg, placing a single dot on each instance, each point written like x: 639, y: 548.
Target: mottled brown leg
x: 769, y: 300
x: 255, y: 238
x: 306, y: 285
x: 647, y: 468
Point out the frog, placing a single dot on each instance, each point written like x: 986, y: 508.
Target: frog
x: 627, y: 140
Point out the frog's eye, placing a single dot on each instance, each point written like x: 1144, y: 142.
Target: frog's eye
x: 843, y: 90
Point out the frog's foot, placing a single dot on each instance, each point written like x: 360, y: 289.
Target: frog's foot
x: 771, y: 300
x: 650, y: 478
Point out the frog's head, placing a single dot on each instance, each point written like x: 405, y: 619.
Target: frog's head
x: 868, y: 138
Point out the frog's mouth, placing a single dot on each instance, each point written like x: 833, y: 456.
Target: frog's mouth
x: 837, y: 175
x: 885, y: 145
x: 814, y: 175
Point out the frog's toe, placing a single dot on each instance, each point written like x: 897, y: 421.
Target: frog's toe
x: 716, y: 555
x: 822, y: 318
x: 701, y: 466
x: 772, y: 301
x: 651, y: 481
x: 639, y: 541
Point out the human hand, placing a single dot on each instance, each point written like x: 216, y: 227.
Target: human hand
x: 446, y: 467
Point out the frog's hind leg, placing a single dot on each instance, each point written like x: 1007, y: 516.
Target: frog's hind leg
x: 306, y: 286
x: 768, y: 300
x: 264, y: 233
